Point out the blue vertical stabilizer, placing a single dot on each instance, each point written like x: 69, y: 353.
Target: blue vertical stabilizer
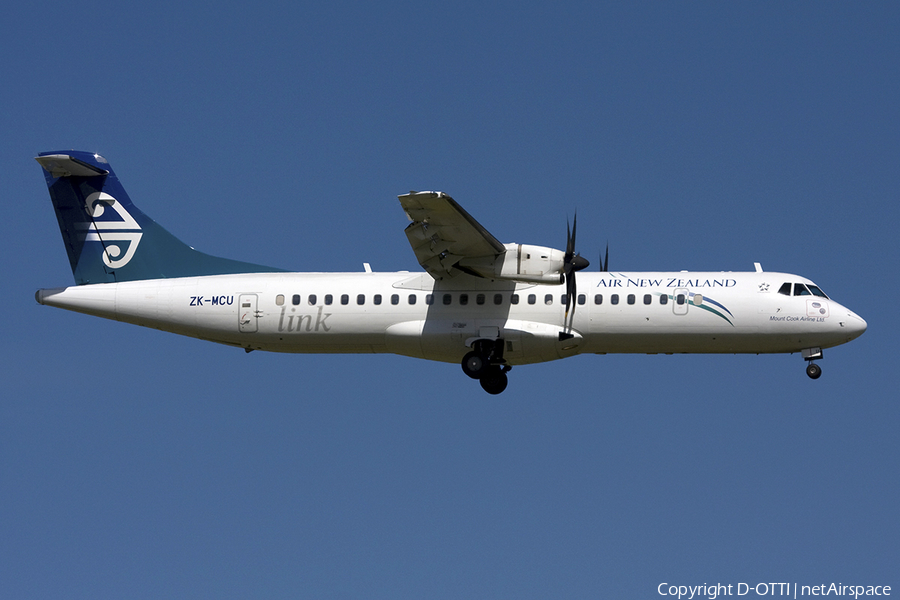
x: 108, y: 238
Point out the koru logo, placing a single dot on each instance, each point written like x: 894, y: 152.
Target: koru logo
x: 111, y: 233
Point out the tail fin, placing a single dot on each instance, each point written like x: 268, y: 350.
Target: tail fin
x: 108, y: 239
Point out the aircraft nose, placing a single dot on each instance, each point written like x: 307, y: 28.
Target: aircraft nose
x: 856, y: 324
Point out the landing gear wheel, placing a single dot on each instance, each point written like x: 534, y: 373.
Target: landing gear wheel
x: 494, y: 381
x: 474, y: 365
x: 813, y: 370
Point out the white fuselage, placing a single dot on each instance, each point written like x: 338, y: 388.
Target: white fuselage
x: 415, y: 315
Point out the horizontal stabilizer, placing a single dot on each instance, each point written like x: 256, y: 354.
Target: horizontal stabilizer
x: 62, y: 165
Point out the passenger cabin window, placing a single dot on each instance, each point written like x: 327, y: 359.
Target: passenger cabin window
x: 377, y: 299
x: 447, y: 299
x: 412, y: 299
x: 329, y: 299
x: 663, y: 299
x: 548, y: 299
x: 679, y: 299
x: 532, y: 298
x: 295, y: 300
x: 395, y: 299
x: 648, y: 298
x: 463, y: 299
x: 361, y: 299
x: 498, y: 299
x: 279, y: 300
x: 598, y: 298
x: 614, y: 299
x: 581, y: 299
x: 630, y: 298
x: 514, y: 299
x: 429, y: 299
x: 312, y: 299
x: 345, y: 299
x: 479, y: 299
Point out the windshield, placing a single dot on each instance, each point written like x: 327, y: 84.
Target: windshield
x: 801, y: 289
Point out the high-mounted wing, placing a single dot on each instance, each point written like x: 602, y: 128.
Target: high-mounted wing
x: 442, y: 234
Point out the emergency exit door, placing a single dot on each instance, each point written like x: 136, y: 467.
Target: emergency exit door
x: 247, y: 313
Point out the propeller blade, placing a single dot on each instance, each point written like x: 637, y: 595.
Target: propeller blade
x: 571, y: 291
x: 571, y: 263
x: 574, y: 226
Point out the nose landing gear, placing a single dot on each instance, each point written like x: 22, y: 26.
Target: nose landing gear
x: 813, y: 370
x: 486, y: 364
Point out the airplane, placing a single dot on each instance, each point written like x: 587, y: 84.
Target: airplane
x: 483, y: 304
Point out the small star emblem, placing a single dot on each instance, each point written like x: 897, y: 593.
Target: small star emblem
x: 764, y: 287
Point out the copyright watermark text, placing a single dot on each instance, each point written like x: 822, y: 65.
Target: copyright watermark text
x: 791, y: 590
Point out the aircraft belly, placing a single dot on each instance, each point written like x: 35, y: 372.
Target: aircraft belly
x: 670, y: 340
x: 738, y: 340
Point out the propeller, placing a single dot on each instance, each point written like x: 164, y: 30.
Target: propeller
x: 571, y: 263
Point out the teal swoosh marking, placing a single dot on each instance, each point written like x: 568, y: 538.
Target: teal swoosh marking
x: 714, y: 311
x: 705, y: 307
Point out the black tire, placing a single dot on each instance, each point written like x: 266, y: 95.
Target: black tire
x: 494, y: 381
x: 474, y: 365
x: 813, y: 370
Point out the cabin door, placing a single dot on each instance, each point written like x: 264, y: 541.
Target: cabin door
x: 680, y: 300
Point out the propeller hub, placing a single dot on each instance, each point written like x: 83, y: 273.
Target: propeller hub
x: 579, y: 263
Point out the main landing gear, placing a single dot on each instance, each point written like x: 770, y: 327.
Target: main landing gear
x: 486, y: 364
x: 813, y: 370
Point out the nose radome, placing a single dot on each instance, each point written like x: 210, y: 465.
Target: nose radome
x: 856, y: 324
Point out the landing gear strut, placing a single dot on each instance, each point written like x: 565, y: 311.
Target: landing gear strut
x: 486, y: 364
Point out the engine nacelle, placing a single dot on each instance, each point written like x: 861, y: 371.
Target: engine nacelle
x: 521, y: 262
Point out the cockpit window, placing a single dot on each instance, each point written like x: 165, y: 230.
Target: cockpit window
x: 817, y: 291
x: 801, y: 289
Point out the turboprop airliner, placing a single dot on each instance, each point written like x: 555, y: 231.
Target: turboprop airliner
x: 483, y: 304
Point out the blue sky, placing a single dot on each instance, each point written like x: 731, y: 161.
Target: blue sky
x: 702, y: 136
